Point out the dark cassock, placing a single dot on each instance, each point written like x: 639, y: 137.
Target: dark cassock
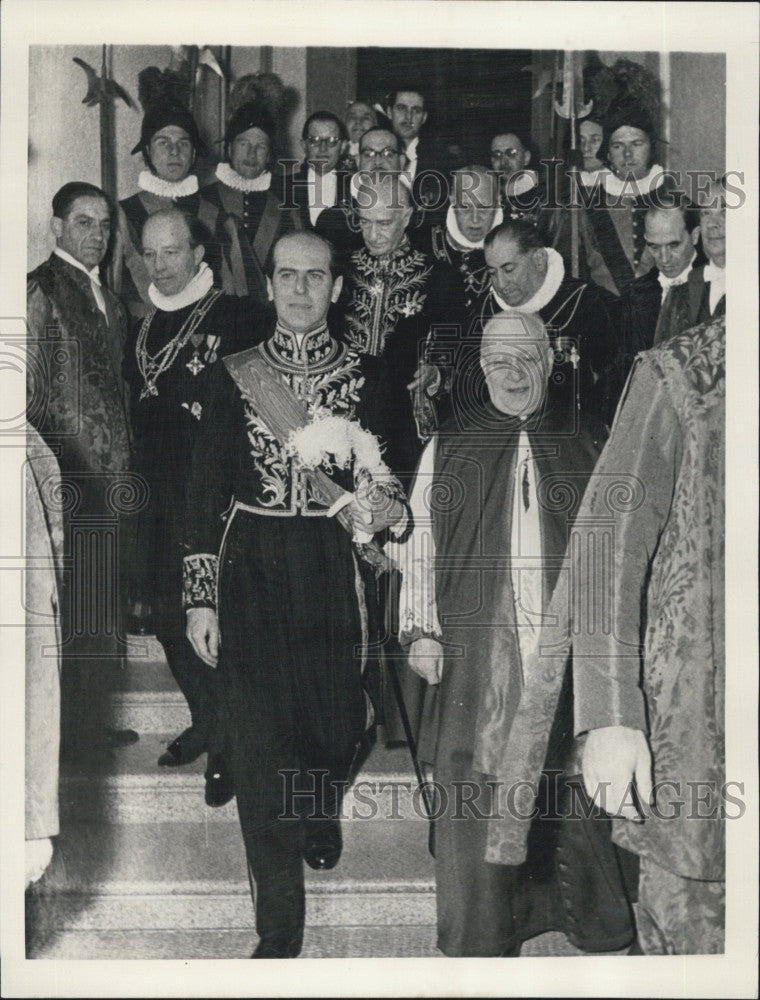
x: 447, y: 243
x: 398, y: 306
x: 77, y: 400
x: 660, y: 666
x: 517, y: 852
x: 167, y: 365
x: 291, y: 598
x: 701, y: 299
x: 578, y: 319
x: 310, y: 193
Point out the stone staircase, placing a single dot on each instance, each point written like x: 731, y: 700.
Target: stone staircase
x: 143, y: 869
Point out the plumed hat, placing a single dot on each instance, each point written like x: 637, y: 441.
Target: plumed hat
x: 249, y: 115
x: 159, y: 116
x: 628, y: 112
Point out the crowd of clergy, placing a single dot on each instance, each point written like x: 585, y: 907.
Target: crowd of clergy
x: 396, y: 447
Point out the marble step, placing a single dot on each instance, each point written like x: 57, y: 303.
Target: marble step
x: 388, y: 941
x: 191, y: 876
x: 128, y: 786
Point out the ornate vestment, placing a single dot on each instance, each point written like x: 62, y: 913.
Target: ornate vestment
x: 655, y: 517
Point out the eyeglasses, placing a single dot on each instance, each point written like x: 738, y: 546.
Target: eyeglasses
x: 331, y: 141
x: 500, y: 154
x: 372, y: 154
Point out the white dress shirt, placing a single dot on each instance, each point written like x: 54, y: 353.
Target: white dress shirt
x: 93, y: 275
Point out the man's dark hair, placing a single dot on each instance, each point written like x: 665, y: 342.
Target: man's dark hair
x: 524, y: 233
x: 199, y: 233
x: 65, y: 197
x: 518, y: 133
x: 380, y: 128
x: 324, y: 116
x: 335, y: 271
x: 411, y: 88
x: 679, y: 201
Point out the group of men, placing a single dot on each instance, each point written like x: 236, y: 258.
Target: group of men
x: 334, y: 391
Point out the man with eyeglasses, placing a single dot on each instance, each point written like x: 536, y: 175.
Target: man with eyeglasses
x: 379, y: 150
x: 522, y: 190
x: 318, y: 183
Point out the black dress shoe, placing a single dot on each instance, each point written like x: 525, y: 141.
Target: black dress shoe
x: 324, y: 844
x: 219, y: 787
x: 277, y: 948
x: 187, y: 747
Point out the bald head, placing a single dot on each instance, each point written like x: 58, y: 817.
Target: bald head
x: 475, y: 201
x: 516, y: 357
x: 172, y: 249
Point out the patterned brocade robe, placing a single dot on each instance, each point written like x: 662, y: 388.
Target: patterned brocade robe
x: 657, y: 498
x: 399, y: 305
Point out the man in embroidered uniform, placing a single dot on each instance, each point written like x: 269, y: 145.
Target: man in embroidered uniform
x: 240, y: 207
x: 474, y: 210
x: 529, y: 277
x: 77, y: 401
x: 399, y: 299
x: 190, y: 324
x: 318, y: 184
x: 652, y: 303
x: 476, y: 611
x: 290, y: 650
x: 650, y: 686
x: 378, y: 151
x: 169, y: 143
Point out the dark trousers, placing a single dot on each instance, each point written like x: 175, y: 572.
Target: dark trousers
x: 198, y: 682
x: 294, y: 708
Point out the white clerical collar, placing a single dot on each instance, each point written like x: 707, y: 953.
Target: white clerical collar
x: 93, y: 275
x: 149, y: 182
x: 590, y: 178
x: 520, y: 183
x: 194, y: 290
x: 716, y: 276
x: 680, y: 279
x: 237, y: 182
x: 458, y: 237
x: 555, y: 275
x: 616, y: 187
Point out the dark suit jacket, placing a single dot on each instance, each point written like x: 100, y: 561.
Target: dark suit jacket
x: 296, y: 192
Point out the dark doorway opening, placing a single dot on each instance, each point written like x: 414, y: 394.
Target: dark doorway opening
x: 470, y: 93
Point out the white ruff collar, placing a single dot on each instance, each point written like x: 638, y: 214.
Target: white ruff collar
x: 555, y: 275
x: 524, y: 181
x: 167, y: 189
x: 233, y: 179
x: 634, y: 189
x: 193, y: 291
x: 456, y: 234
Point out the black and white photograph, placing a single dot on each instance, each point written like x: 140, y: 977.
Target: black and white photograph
x: 380, y: 498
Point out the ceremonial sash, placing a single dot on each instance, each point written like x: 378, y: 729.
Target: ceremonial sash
x: 284, y: 413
